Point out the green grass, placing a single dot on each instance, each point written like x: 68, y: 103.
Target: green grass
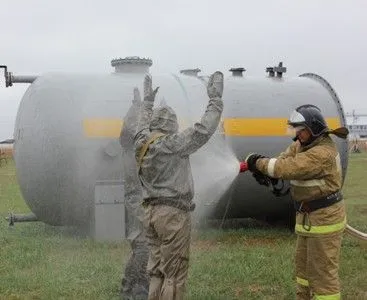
x: 38, y: 261
x: 355, y: 191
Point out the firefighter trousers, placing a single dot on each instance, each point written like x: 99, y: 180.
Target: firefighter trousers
x: 317, y: 266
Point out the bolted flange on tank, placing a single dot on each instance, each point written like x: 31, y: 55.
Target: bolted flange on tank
x: 131, y: 64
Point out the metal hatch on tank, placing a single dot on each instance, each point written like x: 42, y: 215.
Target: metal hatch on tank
x: 68, y: 157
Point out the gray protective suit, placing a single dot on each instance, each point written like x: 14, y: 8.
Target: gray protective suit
x: 165, y: 171
x: 135, y: 282
x: 168, y: 188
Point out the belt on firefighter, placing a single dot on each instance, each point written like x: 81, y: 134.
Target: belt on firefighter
x: 307, y: 207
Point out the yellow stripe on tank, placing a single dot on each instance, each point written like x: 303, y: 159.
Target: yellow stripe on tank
x: 263, y: 127
x: 111, y: 128
x: 102, y: 128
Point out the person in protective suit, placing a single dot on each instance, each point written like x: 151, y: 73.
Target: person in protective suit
x: 312, y: 164
x: 135, y: 281
x: 168, y: 189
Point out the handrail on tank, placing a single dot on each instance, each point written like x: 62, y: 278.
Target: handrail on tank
x: 10, y: 78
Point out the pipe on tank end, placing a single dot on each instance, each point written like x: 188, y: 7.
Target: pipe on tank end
x: 23, y: 78
x: 7, y: 76
x: 21, y: 218
x: 10, y: 78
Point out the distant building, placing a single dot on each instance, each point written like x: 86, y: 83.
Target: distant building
x: 357, y: 125
x: 6, y: 148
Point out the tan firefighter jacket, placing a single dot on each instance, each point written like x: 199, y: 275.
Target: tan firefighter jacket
x: 314, y: 172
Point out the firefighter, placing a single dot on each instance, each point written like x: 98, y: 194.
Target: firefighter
x: 312, y: 164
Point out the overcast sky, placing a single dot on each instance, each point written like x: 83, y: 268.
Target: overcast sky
x: 327, y: 37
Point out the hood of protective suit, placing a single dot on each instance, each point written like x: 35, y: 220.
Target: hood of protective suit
x: 164, y: 120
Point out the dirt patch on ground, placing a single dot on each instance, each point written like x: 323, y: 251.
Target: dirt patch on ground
x: 203, y: 245
x: 255, y: 288
x: 250, y: 241
x: 238, y: 292
x: 260, y: 242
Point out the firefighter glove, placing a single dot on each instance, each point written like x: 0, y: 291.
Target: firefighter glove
x: 215, y: 85
x: 251, y: 161
x: 149, y: 93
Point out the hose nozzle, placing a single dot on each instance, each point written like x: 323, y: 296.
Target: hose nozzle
x: 243, y: 166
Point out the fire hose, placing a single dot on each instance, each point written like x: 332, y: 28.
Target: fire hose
x: 356, y: 233
x: 348, y: 229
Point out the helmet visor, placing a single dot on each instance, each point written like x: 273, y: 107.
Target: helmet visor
x: 293, y: 131
x: 296, y: 117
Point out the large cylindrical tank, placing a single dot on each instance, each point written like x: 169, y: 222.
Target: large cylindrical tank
x: 67, y: 128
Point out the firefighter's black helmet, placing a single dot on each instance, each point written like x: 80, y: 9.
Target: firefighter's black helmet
x: 310, y: 116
